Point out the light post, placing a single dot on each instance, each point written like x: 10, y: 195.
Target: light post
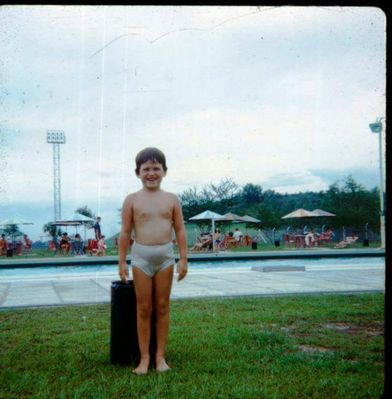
x: 379, y: 128
x: 56, y: 137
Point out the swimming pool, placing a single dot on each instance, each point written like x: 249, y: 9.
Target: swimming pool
x: 84, y: 271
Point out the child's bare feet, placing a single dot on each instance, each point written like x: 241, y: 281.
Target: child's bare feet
x: 143, y: 366
x: 162, y: 366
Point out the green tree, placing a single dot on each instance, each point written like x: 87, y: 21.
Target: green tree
x: 193, y: 202
x: 252, y: 193
x: 12, y: 230
x: 86, y: 211
x: 52, y: 230
x: 353, y: 205
x: 266, y: 213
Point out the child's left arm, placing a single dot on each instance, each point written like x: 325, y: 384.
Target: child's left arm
x: 179, y: 228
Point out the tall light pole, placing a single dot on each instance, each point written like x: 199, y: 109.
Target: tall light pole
x: 379, y: 128
x: 56, y: 137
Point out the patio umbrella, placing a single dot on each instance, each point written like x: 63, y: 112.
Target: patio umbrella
x: 299, y: 213
x: 232, y: 217
x: 250, y: 219
x: 320, y: 212
x: 209, y: 215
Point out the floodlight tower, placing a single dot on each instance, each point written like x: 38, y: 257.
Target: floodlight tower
x: 379, y: 128
x: 56, y: 137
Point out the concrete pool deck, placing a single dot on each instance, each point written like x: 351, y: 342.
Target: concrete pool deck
x: 41, y: 290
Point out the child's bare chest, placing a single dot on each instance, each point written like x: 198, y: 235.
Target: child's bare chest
x: 152, y: 209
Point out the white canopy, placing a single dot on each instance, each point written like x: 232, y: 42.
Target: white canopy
x: 14, y: 221
x: 75, y: 220
x: 249, y: 219
x: 209, y: 215
x: 320, y: 212
x: 299, y: 213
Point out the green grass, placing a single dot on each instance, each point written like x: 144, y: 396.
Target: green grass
x: 319, y: 346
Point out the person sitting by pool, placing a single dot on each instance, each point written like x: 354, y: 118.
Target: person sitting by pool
x: 202, y: 242
x: 228, y: 241
x: 101, y: 247
x: 3, y: 245
x: 327, y: 235
x: 54, y: 245
x: 238, y: 235
x: 27, y: 244
x: 310, y: 239
x: 77, y: 245
x: 65, y: 244
x: 248, y: 240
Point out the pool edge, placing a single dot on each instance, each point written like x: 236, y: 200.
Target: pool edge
x: 110, y: 260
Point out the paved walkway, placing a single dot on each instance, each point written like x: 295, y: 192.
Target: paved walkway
x: 41, y: 290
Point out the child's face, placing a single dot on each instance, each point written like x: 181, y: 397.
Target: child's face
x: 151, y: 174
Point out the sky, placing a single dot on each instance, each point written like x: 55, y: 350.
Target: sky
x: 276, y: 96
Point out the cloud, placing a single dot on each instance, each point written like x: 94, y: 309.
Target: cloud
x: 278, y: 96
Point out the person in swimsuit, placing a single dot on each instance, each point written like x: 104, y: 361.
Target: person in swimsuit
x: 151, y: 214
x: 218, y: 239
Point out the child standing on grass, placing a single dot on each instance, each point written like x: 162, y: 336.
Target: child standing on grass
x: 152, y: 214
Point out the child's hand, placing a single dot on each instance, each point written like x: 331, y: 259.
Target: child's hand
x: 123, y: 272
x: 182, y: 269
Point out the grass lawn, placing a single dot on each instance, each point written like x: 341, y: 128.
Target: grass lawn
x: 311, y: 346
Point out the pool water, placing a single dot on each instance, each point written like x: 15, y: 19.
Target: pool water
x: 194, y: 267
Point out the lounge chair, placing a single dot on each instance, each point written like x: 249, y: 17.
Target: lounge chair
x: 77, y: 247
x: 325, y: 237
x: 228, y: 242
x: 247, y: 240
x: 201, y: 244
x: 92, y: 245
x: 288, y: 240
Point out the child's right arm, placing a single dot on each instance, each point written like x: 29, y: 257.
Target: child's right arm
x: 125, y: 234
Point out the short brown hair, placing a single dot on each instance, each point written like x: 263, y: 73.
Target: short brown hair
x: 150, y: 154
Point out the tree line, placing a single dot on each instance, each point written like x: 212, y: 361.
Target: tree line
x: 353, y: 204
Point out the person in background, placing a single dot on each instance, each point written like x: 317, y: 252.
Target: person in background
x: 65, y: 244
x: 310, y: 238
x: 328, y: 234
x: 97, y: 228
x: 101, y: 247
x: 238, y: 235
x: 27, y: 244
x: 77, y: 245
x: 218, y: 239
x: 3, y: 245
x: 55, y: 244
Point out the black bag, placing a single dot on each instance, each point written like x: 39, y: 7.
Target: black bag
x: 124, y: 346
